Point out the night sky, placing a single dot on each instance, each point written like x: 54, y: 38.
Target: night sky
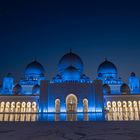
x: 48, y: 29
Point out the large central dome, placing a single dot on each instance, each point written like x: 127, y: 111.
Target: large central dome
x: 70, y: 59
x: 71, y: 73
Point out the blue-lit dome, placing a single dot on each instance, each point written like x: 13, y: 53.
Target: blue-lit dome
x: 9, y: 75
x: 58, y: 77
x: 107, y: 70
x: 71, y: 73
x: 34, y: 69
x: 70, y: 59
x: 84, y: 77
x: 133, y: 74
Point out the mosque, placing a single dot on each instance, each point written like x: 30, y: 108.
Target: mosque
x: 71, y: 90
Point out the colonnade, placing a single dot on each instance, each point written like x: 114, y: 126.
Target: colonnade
x: 123, y: 106
x: 122, y: 110
x: 18, y: 107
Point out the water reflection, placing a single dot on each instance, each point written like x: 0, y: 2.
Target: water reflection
x: 71, y: 117
x: 116, y: 116
x: 18, y: 117
x: 122, y: 116
x: 52, y: 117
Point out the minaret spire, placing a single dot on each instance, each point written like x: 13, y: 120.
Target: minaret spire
x: 70, y: 50
x: 35, y: 58
x: 105, y: 58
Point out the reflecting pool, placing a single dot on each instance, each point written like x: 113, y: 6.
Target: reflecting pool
x: 117, y: 116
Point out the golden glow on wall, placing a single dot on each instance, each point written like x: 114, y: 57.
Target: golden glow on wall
x: 85, y: 105
x: 18, y: 107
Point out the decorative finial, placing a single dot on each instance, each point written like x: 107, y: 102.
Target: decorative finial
x: 35, y: 58
x: 133, y: 74
x: 105, y: 58
x: 70, y: 50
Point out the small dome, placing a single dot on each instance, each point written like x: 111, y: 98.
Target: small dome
x: 125, y: 89
x: 70, y: 59
x: 107, y: 69
x: 84, y: 77
x: 71, y: 73
x: 36, y: 89
x: 34, y: 69
x: 132, y: 74
x: 17, y: 89
x: 9, y: 75
x: 58, y: 76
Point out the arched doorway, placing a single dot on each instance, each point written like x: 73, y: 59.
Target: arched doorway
x: 71, y: 103
x: 125, y: 89
x: 57, y: 106
x: 85, y: 105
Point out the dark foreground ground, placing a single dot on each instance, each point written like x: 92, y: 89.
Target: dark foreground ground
x: 70, y: 130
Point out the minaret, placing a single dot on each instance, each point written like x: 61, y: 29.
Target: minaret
x: 8, y: 82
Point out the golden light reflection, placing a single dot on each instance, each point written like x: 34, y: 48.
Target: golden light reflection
x: 18, y: 117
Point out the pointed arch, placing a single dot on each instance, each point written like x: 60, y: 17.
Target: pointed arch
x: 85, y: 105
x: 71, y: 103
x: 57, y: 106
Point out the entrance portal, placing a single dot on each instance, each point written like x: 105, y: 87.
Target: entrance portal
x: 71, y: 103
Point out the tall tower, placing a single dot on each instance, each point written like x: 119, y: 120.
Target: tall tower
x: 134, y: 83
x: 8, y: 83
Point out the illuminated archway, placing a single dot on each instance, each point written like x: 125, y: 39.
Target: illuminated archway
x: 28, y: 109
x: 2, y: 106
x: 71, y: 103
x: 130, y: 106
x: 18, y: 106
x: 7, y: 107
x: 13, y: 105
x: 23, y: 107
x: 108, y: 106
x: 34, y: 107
x: 57, y: 105
x: 114, y: 106
x: 119, y: 106
x: 135, y: 106
x: 85, y: 105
